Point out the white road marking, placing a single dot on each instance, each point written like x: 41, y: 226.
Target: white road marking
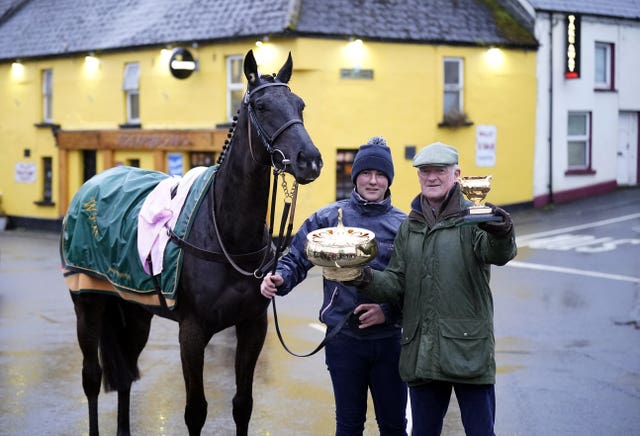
x: 521, y: 239
x: 320, y: 327
x: 581, y: 272
x: 533, y: 241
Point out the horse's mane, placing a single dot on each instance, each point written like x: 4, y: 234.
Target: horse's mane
x: 268, y: 77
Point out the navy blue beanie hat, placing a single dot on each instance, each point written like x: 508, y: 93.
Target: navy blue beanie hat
x: 374, y: 155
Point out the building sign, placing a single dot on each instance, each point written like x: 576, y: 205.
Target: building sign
x: 210, y: 140
x: 356, y: 73
x: 182, y: 63
x: 572, y: 56
x: 486, y: 145
x: 25, y: 172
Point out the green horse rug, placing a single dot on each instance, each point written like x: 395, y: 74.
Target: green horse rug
x: 115, y: 234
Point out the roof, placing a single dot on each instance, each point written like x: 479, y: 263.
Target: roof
x: 629, y: 9
x: 43, y: 28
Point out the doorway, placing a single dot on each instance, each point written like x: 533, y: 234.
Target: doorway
x: 627, y: 153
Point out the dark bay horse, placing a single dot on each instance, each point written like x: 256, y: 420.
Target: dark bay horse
x: 212, y: 295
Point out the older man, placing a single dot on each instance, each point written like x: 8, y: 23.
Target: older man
x: 439, y: 274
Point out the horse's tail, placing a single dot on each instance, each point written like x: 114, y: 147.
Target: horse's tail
x: 118, y: 351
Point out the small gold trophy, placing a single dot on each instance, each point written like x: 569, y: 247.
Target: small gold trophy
x: 476, y: 188
x: 341, y: 251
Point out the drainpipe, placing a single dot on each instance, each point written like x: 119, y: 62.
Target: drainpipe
x: 550, y: 107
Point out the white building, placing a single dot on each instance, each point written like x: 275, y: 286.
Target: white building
x: 588, y: 104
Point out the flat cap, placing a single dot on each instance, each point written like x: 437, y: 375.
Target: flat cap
x: 437, y: 154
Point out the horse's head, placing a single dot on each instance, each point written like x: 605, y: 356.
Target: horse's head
x: 276, y: 115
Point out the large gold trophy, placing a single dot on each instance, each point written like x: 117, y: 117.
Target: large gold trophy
x: 341, y: 251
x: 476, y: 188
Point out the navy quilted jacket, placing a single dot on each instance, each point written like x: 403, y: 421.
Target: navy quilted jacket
x: 340, y: 300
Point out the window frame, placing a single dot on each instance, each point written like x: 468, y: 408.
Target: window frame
x: 609, y: 68
x: 587, y: 138
x: 453, y: 87
x: 131, y: 88
x: 47, y: 95
x: 232, y: 86
x: 344, y: 166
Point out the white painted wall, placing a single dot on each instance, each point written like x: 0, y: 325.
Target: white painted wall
x: 579, y: 94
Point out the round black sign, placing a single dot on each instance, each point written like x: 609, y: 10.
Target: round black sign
x: 182, y: 64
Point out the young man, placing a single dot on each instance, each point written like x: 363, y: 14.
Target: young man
x: 364, y: 355
x: 439, y: 273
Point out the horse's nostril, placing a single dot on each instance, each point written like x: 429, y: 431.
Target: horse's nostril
x: 309, y: 164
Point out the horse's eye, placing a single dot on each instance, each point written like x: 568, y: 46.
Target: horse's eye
x: 259, y: 106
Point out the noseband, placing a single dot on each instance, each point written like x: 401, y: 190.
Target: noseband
x: 268, y: 139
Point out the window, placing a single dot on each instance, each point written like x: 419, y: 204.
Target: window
x: 235, y: 85
x: 47, y: 184
x: 201, y: 159
x: 88, y: 164
x: 47, y: 96
x: 131, y: 87
x: 453, y: 80
x: 344, y: 164
x: 579, y: 142
x: 604, y: 66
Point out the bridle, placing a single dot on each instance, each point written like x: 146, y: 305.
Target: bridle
x: 289, y: 205
x: 267, y: 139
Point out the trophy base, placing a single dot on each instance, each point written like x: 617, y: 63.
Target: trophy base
x: 476, y: 215
x: 341, y: 274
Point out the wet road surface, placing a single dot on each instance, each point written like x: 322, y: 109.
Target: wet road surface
x: 568, y: 346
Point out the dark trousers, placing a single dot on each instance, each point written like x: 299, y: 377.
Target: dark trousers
x: 360, y: 365
x: 429, y: 403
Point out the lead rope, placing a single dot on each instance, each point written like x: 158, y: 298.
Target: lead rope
x: 283, y: 242
x: 289, y: 211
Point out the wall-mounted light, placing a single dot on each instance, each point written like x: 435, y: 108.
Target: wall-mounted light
x: 263, y: 41
x: 91, y: 63
x: 182, y: 63
x: 17, y: 69
x: 265, y: 53
x: 494, y: 56
x: 355, y: 52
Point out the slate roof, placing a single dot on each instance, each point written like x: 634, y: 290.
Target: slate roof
x: 629, y: 9
x: 42, y: 28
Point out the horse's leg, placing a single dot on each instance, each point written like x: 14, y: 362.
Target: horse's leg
x: 137, y: 323
x: 251, y: 334
x: 89, y: 310
x: 124, y: 396
x: 192, y: 344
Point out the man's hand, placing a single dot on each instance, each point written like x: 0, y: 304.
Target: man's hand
x: 269, y: 285
x: 498, y: 228
x: 369, y: 315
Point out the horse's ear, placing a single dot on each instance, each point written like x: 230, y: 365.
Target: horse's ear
x: 285, y: 72
x: 251, y: 68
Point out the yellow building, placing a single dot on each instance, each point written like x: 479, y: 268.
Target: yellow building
x: 69, y: 111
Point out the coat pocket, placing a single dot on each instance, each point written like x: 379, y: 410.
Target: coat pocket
x: 410, y: 351
x: 465, y: 348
